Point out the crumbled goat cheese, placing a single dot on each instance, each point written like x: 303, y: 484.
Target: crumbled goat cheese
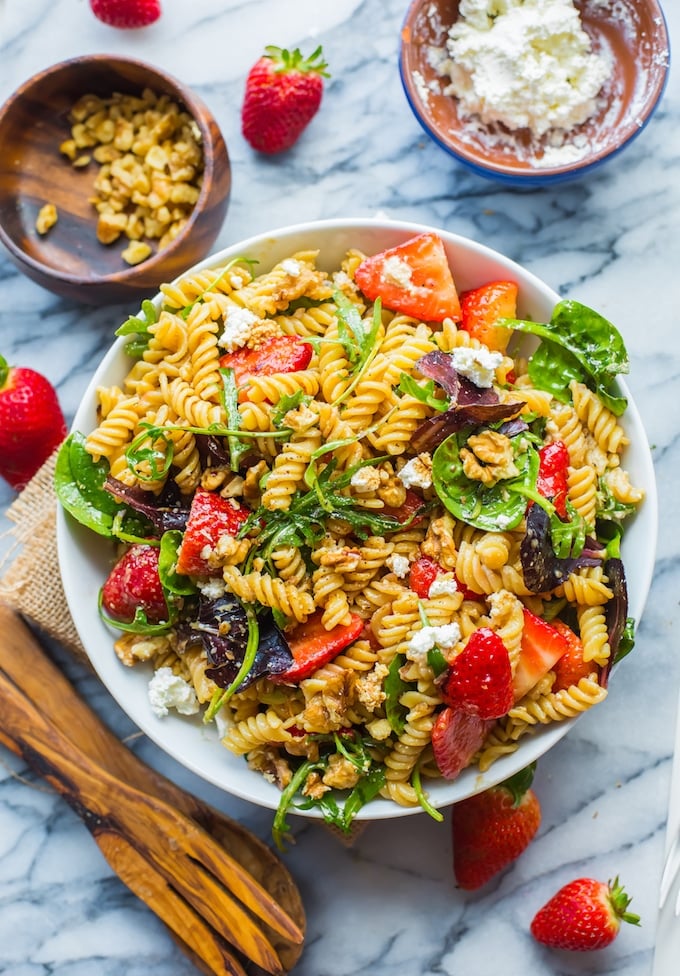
x: 479, y: 365
x: 397, y: 272
x: 523, y: 63
x: 442, y: 586
x: 365, y: 479
x: 168, y: 690
x: 291, y: 267
x: 212, y: 589
x: 425, y: 639
x: 398, y: 564
x: 207, y: 552
x: 237, y: 327
x: 417, y: 473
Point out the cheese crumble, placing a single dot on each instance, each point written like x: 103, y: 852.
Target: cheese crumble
x: 478, y: 365
x: 527, y: 64
x: 168, y: 690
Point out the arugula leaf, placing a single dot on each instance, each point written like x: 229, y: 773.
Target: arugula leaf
x: 395, y: 687
x: 426, y: 393
x: 627, y: 641
x: 568, y: 538
x: 365, y: 790
x: 221, y: 697
x: 229, y: 396
x: 359, y: 343
x: 137, y: 326
x: 496, y: 508
x: 280, y: 827
x: 422, y: 796
x: 594, y: 344
x: 289, y: 401
x: 143, y: 451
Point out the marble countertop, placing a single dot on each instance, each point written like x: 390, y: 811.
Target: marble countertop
x: 387, y: 904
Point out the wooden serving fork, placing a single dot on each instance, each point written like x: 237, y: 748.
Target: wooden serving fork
x: 216, y: 885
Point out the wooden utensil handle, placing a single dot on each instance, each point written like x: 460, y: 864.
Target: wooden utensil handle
x: 23, y: 659
x: 154, y: 828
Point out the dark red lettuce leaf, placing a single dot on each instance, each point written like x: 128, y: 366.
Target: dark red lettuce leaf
x: 541, y: 568
x: 616, y: 612
x: 169, y: 510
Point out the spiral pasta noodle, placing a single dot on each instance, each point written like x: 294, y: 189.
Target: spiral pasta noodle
x: 348, y: 537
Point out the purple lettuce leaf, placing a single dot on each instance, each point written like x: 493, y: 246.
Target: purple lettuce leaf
x: 542, y: 569
x: 169, y: 510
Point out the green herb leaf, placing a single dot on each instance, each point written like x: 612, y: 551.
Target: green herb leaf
x: 359, y: 343
x: 229, y: 396
x: 289, y: 401
x: 365, y: 790
x: 174, y: 584
x: 497, y: 508
x: 394, y: 688
x: 144, y: 451
x: 422, y: 796
x: 627, y: 642
x: 221, y: 697
x: 137, y: 326
x: 593, y: 343
x: 140, y: 624
x: 426, y: 392
x: 78, y: 482
x: 568, y: 538
x: 280, y: 827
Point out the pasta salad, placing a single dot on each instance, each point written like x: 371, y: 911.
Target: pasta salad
x: 354, y: 526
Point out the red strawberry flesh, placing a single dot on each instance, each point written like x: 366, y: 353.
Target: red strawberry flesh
x: 210, y: 517
x: 584, y: 914
x: 134, y: 584
x: 491, y: 829
x: 312, y: 646
x: 479, y: 680
x: 456, y: 737
x: 126, y: 13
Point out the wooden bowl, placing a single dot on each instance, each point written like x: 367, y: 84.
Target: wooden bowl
x: 69, y: 259
x: 636, y: 39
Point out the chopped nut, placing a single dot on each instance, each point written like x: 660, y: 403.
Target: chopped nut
x: 136, y: 252
x: 151, y: 158
x: 47, y: 218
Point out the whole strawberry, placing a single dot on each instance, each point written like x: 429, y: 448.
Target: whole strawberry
x: 490, y: 830
x: 584, y: 914
x: 126, y: 13
x: 31, y: 423
x: 134, y: 585
x: 283, y: 94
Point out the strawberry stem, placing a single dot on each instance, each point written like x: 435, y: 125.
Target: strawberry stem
x: 519, y: 783
x: 620, y: 902
x: 4, y: 371
x: 286, y: 60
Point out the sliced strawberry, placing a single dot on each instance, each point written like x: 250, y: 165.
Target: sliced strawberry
x: 479, y: 680
x: 424, y: 572
x: 280, y: 354
x: 482, y: 307
x: 312, y: 646
x: 542, y: 646
x: 571, y: 667
x: 413, y: 278
x: 552, y: 475
x: 456, y: 737
x: 134, y: 584
x: 210, y: 517
x: 411, y: 504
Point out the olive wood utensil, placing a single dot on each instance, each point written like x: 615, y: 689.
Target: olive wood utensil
x: 68, y: 744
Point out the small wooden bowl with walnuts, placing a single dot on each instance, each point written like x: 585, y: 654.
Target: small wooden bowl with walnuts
x: 114, y: 177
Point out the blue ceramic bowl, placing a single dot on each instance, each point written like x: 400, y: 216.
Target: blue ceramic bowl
x: 635, y: 37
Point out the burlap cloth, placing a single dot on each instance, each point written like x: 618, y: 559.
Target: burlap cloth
x: 30, y: 581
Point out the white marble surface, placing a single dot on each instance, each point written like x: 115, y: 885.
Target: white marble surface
x: 388, y: 905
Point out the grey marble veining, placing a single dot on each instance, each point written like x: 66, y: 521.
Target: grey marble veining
x: 388, y: 904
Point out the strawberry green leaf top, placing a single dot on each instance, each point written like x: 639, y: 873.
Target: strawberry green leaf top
x: 282, y: 96
x: 585, y: 914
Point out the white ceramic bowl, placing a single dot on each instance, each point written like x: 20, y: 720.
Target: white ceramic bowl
x: 85, y: 558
